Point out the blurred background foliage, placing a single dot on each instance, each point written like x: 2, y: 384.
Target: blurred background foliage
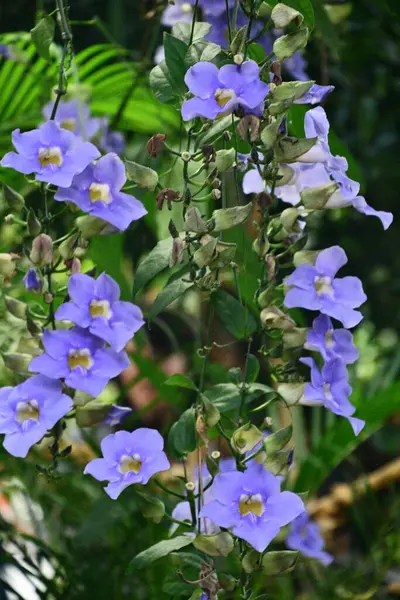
x: 66, y: 538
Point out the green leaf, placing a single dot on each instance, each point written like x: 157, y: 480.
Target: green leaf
x: 224, y: 159
x: 238, y: 41
x: 245, y: 438
x: 202, y: 50
x: 225, y: 396
x: 219, y: 544
x: 339, y: 440
x: 182, y: 435
x: 253, y: 368
x: 251, y: 561
x: 152, y: 265
x: 172, y: 291
x: 107, y: 253
x: 179, y: 380
x: 143, y: 176
x: 234, y: 316
x: 157, y: 551
x: 42, y: 36
x: 161, y: 83
x: 283, y: 15
x: 270, y: 133
x: 226, y: 218
x: 175, y: 53
x: 257, y: 53
x: 14, y: 200
x: 219, y: 126
x: 182, y: 31
x: 275, y: 563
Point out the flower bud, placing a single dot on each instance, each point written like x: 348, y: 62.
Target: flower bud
x: 216, y: 194
x: 276, y: 71
x: 89, y: 226
x: 42, y: 250
x: 290, y: 392
x: 271, y: 266
x: 261, y: 246
x: 15, y: 307
x: 268, y: 421
x: 17, y: 362
x: 238, y: 59
x: 75, y: 266
x: 283, y: 15
x: 34, y: 329
x: 294, y: 338
x: 156, y: 144
x: 9, y: 219
x: 245, y: 438
x: 273, y: 317
x: 186, y: 156
x: 266, y: 297
x: 34, y: 225
x: 177, y: 251
x: 67, y: 247
x: 288, y: 218
x: 216, y: 183
x: 7, y: 265
x: 227, y: 136
x: 48, y: 298
x: 14, y: 200
x: 216, y: 455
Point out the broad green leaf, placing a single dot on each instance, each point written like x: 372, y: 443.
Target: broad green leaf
x: 182, y: 435
x: 151, y: 507
x: 287, y: 45
x: 175, y: 53
x: 182, y: 31
x: 234, y: 316
x: 161, y: 83
x: 155, y: 262
x: 159, y: 550
x: 218, y: 127
x: 211, y: 412
x: 179, y: 380
x: 224, y: 160
x: 172, y: 291
x: 339, y: 440
x: 278, y: 440
x: 253, y: 368
x: 42, y: 36
x: 225, y: 396
x: 289, y: 149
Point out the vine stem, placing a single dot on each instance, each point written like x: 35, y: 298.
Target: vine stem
x: 193, y: 22
x: 249, y: 26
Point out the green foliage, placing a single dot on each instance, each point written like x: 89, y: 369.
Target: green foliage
x: 159, y: 550
x: 235, y: 317
x: 182, y: 435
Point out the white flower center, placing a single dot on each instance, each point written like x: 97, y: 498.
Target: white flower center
x: 50, y: 156
x: 130, y: 464
x: 69, y: 124
x: 327, y: 392
x: 187, y: 8
x: 100, y: 192
x: 80, y: 358
x: 323, y: 286
x: 27, y: 410
x: 223, y: 95
x: 100, y: 308
x: 329, y: 341
x: 252, y: 504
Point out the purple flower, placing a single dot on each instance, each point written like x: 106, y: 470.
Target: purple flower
x: 316, y: 94
x: 330, y: 342
x: 215, y: 8
x: 252, y: 505
x: 315, y: 288
x: 80, y: 358
x: 95, y: 305
x: 29, y: 410
x: 54, y: 154
x: 305, y: 536
x: 32, y: 281
x: 74, y: 115
x: 6, y: 51
x: 116, y: 415
x: 112, y: 141
x: 296, y: 65
x: 330, y: 388
x: 97, y: 191
x: 180, y: 12
x: 221, y: 91
x: 129, y: 457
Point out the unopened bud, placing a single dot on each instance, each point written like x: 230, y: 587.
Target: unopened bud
x: 208, y: 153
x: 277, y: 73
x: 17, y: 362
x: 291, y: 393
x: 75, y: 266
x: 34, y: 329
x: 227, y: 136
x: 270, y: 261
x: 89, y: 226
x: 273, y: 317
x: 48, y: 298
x: 261, y: 246
x: 190, y: 487
x: 186, y: 156
x: 7, y: 265
x: 172, y: 229
x: 216, y: 194
x: 238, y: 59
x: 305, y: 257
x: 216, y: 183
x: 42, y: 250
x: 67, y: 247
x: 9, y: 219
x: 289, y: 218
x: 156, y: 144
x: 216, y: 455
x: 178, y: 248
x: 268, y: 421
x: 14, y: 200
x: 15, y: 307
x: 294, y: 338
x: 34, y: 225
